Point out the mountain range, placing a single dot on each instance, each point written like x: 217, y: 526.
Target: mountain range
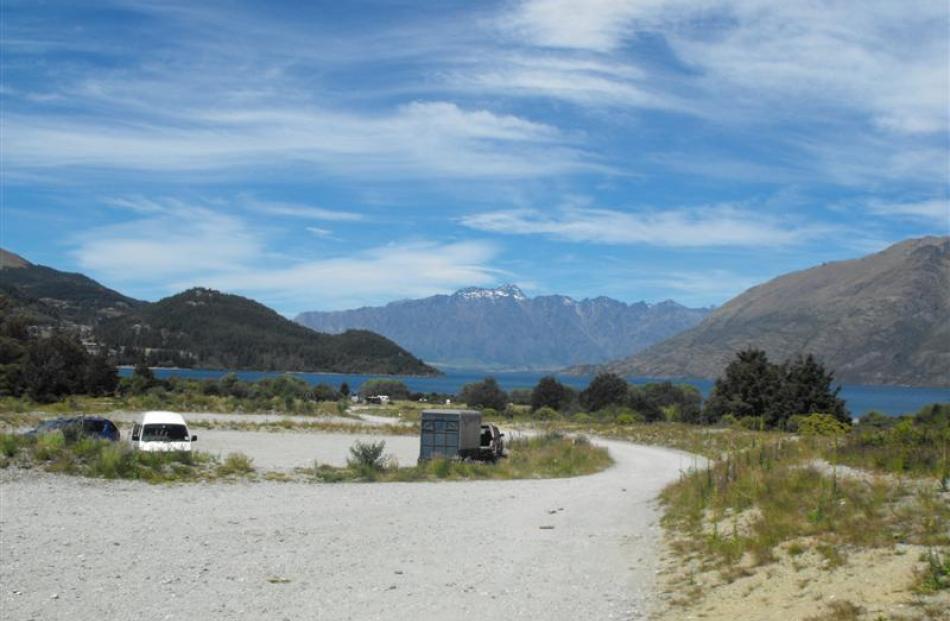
x: 880, y: 319
x: 502, y: 328
x: 199, y: 327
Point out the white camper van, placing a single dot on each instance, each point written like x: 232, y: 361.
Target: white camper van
x: 161, y: 431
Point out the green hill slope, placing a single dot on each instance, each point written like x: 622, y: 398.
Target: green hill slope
x: 199, y: 327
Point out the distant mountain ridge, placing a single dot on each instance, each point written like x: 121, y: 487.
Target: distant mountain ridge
x: 503, y: 328
x: 199, y: 327
x: 880, y: 319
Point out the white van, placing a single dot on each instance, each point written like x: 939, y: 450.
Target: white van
x: 161, y: 431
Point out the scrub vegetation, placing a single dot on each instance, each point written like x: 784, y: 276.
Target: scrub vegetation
x: 96, y: 458
x: 550, y: 455
x: 828, y: 492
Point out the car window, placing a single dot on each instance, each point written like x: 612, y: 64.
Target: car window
x: 136, y: 428
x: 164, y: 433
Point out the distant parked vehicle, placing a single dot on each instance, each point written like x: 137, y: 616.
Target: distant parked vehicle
x: 161, y: 431
x: 95, y: 426
x: 458, y: 434
x: 492, y: 444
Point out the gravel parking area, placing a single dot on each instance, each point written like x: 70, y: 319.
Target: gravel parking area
x: 584, y: 548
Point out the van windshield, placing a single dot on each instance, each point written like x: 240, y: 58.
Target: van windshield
x: 165, y: 433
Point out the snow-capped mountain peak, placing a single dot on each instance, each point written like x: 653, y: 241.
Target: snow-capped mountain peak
x: 504, y: 291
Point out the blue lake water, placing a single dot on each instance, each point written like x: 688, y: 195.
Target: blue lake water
x: 890, y: 400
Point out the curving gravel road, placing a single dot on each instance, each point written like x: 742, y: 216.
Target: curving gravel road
x: 585, y: 548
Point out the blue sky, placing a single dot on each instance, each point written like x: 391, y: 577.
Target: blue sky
x: 343, y: 154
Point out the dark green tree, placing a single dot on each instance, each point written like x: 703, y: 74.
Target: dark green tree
x: 485, y: 394
x: 644, y: 404
x: 344, y: 390
x: 749, y: 387
x: 54, y: 367
x: 807, y: 389
x: 549, y: 393
x: 686, y: 399
x: 604, y: 390
x: 101, y: 377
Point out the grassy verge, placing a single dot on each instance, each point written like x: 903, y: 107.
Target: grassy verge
x: 90, y: 457
x: 306, y: 425
x: 549, y: 455
x: 174, y: 401
x: 768, y: 509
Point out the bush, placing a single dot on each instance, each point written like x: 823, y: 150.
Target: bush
x: 626, y: 419
x: 820, y: 425
x: 367, y: 455
x: 236, y: 463
x: 545, y: 413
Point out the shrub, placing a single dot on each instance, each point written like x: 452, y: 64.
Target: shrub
x: 625, y: 419
x: 545, y: 413
x: 367, y: 455
x: 236, y: 463
x: 820, y: 425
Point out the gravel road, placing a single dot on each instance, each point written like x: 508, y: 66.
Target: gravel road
x: 583, y: 548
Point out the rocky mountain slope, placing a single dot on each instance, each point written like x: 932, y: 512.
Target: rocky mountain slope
x: 503, y: 328
x: 199, y: 327
x: 880, y: 319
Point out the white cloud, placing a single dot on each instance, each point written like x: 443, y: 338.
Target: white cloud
x: 378, y: 275
x: 785, y: 60
x: 296, y: 210
x: 184, y: 245
x: 417, y: 139
x: 598, y: 25
x: 699, y: 227
x: 178, y: 240
x: 936, y: 211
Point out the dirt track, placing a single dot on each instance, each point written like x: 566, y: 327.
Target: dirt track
x: 87, y: 549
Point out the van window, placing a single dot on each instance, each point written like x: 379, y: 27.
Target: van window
x: 164, y: 433
x: 136, y: 428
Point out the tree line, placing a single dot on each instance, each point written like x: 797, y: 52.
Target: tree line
x: 47, y: 369
x: 752, y: 391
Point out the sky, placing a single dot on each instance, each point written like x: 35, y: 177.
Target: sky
x: 329, y: 155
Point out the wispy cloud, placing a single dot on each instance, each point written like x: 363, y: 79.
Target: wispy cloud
x: 174, y: 241
x: 698, y: 227
x: 183, y: 245
x: 297, y: 210
x: 393, y: 271
x: 932, y: 211
x: 881, y: 60
x: 418, y: 139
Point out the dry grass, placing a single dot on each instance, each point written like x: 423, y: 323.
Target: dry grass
x: 544, y: 456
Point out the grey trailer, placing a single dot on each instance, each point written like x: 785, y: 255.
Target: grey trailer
x: 455, y: 434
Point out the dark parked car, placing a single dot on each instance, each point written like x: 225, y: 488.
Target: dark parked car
x: 95, y: 426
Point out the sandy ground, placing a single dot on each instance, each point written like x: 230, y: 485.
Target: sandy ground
x: 286, y: 451
x: 84, y: 549
x: 796, y: 588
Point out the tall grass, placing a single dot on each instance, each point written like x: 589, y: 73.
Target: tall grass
x: 545, y: 456
x: 92, y: 457
x: 744, y: 506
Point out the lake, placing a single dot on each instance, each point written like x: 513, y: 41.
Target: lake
x: 890, y: 400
